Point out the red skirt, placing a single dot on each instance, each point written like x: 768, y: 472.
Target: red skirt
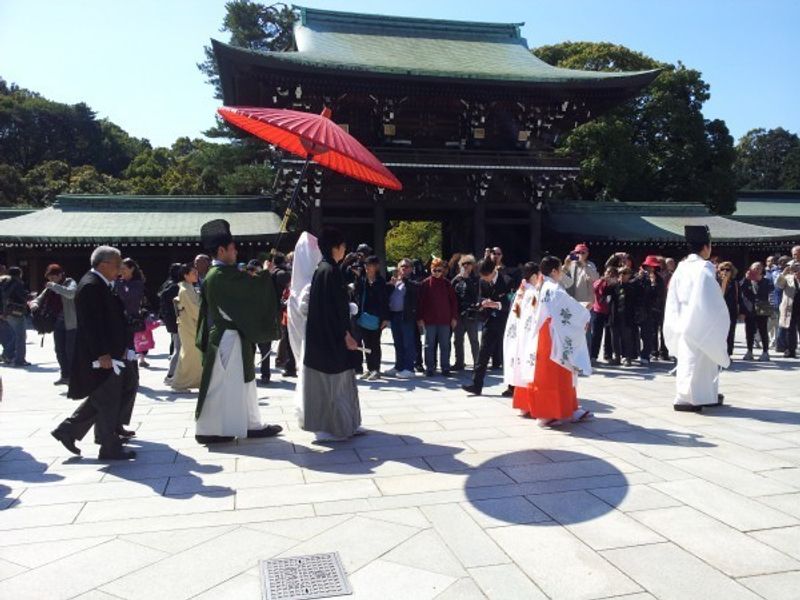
x: 551, y: 394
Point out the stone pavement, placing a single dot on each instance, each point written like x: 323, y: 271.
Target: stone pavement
x: 447, y: 497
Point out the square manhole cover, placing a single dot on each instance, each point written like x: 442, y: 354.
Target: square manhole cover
x: 304, y: 577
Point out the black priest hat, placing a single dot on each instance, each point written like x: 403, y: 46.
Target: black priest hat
x: 214, y: 234
x: 697, y: 234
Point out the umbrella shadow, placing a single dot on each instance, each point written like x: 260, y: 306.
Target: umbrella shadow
x: 547, y: 487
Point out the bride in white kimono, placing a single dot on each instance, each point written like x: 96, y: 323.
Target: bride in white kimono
x: 696, y: 326
x: 306, y: 258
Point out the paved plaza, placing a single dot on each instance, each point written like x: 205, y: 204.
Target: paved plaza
x: 447, y: 497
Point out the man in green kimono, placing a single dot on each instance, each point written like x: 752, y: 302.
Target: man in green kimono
x: 237, y: 311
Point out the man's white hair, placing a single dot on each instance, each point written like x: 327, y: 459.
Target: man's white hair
x: 102, y: 254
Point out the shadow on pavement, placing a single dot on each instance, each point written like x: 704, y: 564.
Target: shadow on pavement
x: 537, y: 474
x: 19, y: 465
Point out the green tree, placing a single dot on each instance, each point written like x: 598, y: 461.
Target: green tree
x: 656, y: 147
x: 46, y: 181
x: 763, y: 158
x: 12, y: 187
x: 88, y: 180
x: 791, y: 170
x: 34, y: 130
x: 247, y: 179
x: 413, y: 239
x: 251, y: 25
x: 254, y: 26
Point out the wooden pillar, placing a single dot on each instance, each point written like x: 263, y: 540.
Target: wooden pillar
x: 379, y: 231
x: 316, y: 218
x: 535, y: 232
x: 479, y: 228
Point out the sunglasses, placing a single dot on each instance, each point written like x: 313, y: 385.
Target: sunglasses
x: 470, y: 263
x: 436, y: 271
x: 725, y: 269
x: 405, y: 266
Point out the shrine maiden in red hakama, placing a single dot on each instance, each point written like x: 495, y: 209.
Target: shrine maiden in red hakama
x: 546, y: 349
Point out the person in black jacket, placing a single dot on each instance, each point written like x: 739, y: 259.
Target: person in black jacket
x: 467, y: 288
x: 650, y: 308
x: 623, y: 302
x: 754, y: 292
x: 371, y: 295
x: 282, y: 275
x: 166, y: 313
x: 726, y: 275
x: 14, y: 295
x: 495, y: 289
x: 102, y: 344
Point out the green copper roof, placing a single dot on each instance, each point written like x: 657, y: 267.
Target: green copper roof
x: 653, y: 222
x: 403, y: 46
x: 120, y: 219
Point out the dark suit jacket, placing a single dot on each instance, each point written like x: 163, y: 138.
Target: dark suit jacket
x: 499, y: 292
x: 101, y: 330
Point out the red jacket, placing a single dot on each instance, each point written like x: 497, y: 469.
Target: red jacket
x: 437, y: 302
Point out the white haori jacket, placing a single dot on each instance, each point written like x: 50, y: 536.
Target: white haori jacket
x: 568, y: 320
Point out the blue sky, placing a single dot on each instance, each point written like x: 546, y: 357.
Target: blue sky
x: 134, y: 62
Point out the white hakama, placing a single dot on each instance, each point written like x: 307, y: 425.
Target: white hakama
x: 231, y: 405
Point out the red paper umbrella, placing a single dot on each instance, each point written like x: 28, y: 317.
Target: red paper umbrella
x: 313, y: 137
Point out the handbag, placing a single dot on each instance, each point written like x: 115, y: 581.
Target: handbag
x: 366, y: 320
x: 763, y: 308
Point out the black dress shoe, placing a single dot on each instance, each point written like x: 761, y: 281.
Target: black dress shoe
x: 720, y: 399
x: 268, y: 431
x: 508, y: 392
x: 125, y: 433
x: 263, y: 380
x: 66, y: 440
x: 289, y: 373
x: 213, y: 439
x: 472, y: 389
x: 687, y: 408
x: 117, y: 455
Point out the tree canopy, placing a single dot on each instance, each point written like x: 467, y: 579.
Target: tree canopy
x: 48, y: 148
x: 768, y: 160
x: 413, y: 239
x: 656, y: 147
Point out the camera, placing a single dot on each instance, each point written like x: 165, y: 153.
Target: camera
x: 475, y: 312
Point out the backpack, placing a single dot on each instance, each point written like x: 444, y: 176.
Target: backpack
x: 45, y: 314
x: 166, y: 308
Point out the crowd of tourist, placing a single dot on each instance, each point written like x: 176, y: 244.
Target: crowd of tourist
x: 435, y: 312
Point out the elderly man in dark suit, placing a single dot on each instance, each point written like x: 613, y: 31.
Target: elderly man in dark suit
x: 102, y: 343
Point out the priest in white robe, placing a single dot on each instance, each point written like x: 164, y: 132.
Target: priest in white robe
x: 696, y: 326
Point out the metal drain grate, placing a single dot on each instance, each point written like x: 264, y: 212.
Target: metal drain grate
x: 304, y: 577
